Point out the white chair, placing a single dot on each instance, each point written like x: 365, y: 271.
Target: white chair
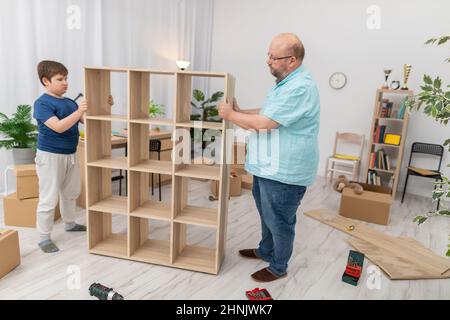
x: 344, y: 160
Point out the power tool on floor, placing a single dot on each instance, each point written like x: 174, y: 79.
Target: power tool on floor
x: 104, y: 293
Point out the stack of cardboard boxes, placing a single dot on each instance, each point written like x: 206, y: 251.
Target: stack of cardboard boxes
x: 19, y: 208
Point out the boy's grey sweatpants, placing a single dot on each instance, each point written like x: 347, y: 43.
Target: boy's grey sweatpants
x: 59, y: 178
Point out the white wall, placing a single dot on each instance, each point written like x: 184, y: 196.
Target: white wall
x: 336, y: 38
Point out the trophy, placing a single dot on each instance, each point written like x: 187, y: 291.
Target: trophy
x: 406, y: 72
x: 387, y: 72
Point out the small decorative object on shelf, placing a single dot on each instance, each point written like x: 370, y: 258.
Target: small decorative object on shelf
x: 393, y: 139
x: 387, y: 72
x: 395, y: 85
x: 406, y: 72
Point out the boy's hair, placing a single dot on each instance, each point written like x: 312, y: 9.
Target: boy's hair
x: 48, y: 69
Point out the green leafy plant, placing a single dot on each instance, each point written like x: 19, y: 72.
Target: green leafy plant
x: 18, y: 131
x: 155, y: 109
x: 435, y: 100
x: 207, y: 108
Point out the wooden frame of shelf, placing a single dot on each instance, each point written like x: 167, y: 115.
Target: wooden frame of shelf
x: 137, y: 206
x: 398, y: 149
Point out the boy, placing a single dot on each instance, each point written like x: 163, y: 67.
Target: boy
x: 59, y: 176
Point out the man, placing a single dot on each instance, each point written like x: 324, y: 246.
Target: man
x: 291, y: 107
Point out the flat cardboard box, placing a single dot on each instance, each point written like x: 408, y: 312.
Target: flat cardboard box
x: 9, y: 251
x: 235, y: 186
x: 22, y: 213
x: 374, y: 205
x: 27, y: 183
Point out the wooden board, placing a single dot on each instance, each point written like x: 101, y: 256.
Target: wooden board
x: 397, y: 268
x: 389, y: 250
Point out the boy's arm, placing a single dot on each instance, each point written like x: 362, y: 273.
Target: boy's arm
x: 65, y: 124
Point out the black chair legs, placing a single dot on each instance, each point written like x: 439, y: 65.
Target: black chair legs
x: 404, y: 188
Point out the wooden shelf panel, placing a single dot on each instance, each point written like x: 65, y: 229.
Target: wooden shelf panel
x: 153, y: 251
x: 201, y: 125
x: 205, y: 217
x: 115, y: 246
x: 200, y: 171
x: 390, y: 119
x: 113, y: 204
x: 203, y: 74
x: 111, y: 162
x: 153, y: 210
x: 108, y: 117
x: 392, y: 171
x: 399, y: 91
x: 107, y: 69
x: 385, y: 145
x: 154, y: 166
x: 154, y: 121
x: 197, y: 258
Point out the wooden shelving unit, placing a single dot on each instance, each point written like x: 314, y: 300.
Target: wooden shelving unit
x: 136, y: 243
x: 393, y: 125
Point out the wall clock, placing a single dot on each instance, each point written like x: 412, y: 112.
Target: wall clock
x: 338, y: 80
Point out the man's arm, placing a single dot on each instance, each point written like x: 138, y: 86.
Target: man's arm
x: 246, y: 120
x: 252, y: 121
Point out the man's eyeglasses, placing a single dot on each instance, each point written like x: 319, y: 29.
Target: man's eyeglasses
x: 277, y: 58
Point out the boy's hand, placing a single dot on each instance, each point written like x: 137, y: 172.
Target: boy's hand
x: 82, y: 107
x: 110, y: 100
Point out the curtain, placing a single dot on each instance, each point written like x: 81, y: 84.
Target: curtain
x: 148, y: 34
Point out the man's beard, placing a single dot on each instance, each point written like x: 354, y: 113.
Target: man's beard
x: 278, y: 75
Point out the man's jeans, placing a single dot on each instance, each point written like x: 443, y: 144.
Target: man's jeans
x: 277, y: 205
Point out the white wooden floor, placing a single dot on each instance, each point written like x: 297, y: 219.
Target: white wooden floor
x: 315, y: 269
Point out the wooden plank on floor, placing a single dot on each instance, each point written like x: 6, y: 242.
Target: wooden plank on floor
x: 425, y: 264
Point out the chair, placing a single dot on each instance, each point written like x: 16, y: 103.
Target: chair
x: 155, y: 146
x: 345, y: 160
x: 424, y: 148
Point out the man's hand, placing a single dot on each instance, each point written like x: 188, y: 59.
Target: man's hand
x: 82, y: 107
x: 110, y: 100
x: 225, y: 109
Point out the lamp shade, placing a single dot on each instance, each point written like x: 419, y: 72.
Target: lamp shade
x: 182, y: 64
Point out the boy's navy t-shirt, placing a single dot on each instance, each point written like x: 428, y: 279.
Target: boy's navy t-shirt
x: 47, y: 106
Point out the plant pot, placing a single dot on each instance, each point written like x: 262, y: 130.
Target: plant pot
x: 23, y: 155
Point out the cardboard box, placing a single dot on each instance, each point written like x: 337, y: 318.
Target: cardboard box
x: 9, y: 249
x: 374, y: 205
x: 27, y: 181
x: 235, y: 186
x: 22, y: 213
x: 247, y: 178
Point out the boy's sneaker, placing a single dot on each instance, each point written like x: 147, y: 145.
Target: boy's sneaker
x: 48, y: 246
x: 75, y: 227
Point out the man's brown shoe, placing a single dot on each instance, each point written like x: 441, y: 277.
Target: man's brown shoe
x: 264, y: 275
x: 249, y: 253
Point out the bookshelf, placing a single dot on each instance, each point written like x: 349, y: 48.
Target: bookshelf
x: 135, y: 242
x: 384, y: 159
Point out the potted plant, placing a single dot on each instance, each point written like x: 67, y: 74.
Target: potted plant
x: 206, y: 110
x: 19, y: 134
x: 155, y: 110
x: 435, y: 98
